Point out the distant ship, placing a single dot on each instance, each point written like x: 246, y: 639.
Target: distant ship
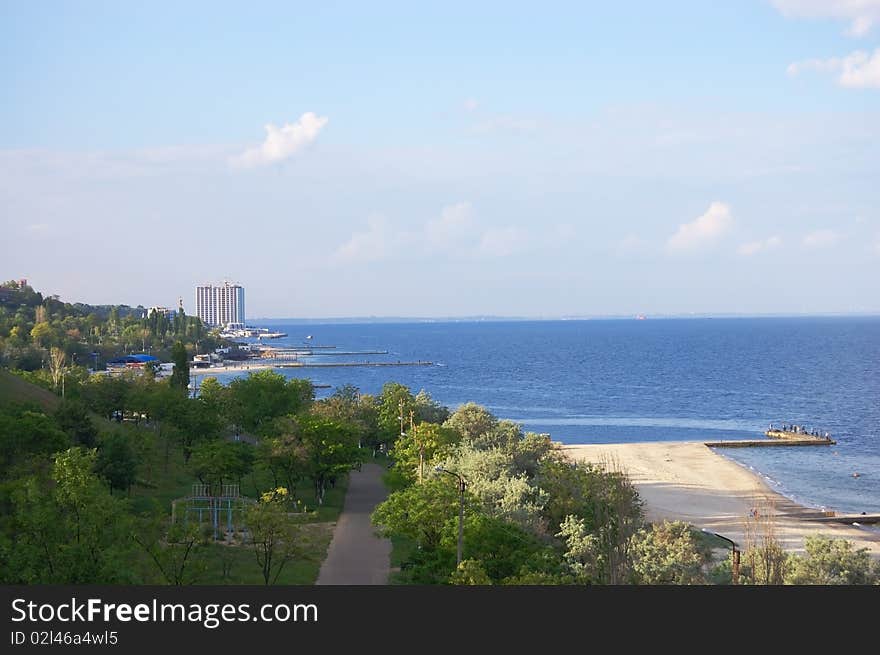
x: 239, y: 330
x: 640, y: 317
x: 264, y: 333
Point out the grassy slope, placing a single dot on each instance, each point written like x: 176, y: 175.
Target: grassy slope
x: 14, y: 389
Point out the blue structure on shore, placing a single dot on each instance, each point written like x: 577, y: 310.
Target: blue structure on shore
x: 132, y: 360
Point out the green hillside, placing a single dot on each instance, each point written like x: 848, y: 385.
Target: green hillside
x: 14, y: 389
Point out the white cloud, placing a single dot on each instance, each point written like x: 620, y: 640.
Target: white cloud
x: 862, y: 15
x: 454, y: 232
x: 832, y: 65
x: 374, y: 244
x: 754, y: 247
x: 454, y: 224
x: 861, y: 70
x: 821, y: 239
x: 282, y: 142
x: 503, y: 241
x: 858, y: 70
x: 704, y: 230
x: 471, y: 104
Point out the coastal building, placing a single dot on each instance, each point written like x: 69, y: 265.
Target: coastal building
x: 221, y: 304
x: 167, y: 312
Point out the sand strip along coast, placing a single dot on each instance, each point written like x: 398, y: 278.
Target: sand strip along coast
x: 687, y: 481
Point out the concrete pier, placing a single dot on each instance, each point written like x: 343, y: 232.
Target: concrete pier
x: 766, y: 443
x: 333, y: 365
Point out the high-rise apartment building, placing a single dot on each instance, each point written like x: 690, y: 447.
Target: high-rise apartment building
x: 218, y: 305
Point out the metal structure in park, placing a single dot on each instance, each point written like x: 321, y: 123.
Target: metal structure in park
x: 205, y: 504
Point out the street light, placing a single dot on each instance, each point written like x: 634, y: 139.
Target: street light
x: 734, y: 573
x: 462, y: 486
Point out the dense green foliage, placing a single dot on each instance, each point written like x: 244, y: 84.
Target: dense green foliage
x: 180, y: 374
x: 87, y: 487
x: 520, y: 493
x: 826, y: 561
x: 87, y: 335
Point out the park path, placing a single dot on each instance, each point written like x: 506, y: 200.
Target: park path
x: 356, y: 555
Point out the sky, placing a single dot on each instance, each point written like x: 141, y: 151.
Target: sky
x: 446, y: 158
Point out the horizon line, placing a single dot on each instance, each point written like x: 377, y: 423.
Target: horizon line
x: 573, y: 317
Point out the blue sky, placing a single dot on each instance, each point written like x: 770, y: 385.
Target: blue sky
x: 446, y: 159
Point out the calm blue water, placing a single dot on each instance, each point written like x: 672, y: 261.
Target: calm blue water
x: 606, y: 381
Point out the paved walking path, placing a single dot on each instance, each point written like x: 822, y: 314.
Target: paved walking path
x: 356, y: 555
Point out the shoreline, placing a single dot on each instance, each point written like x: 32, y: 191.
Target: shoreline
x: 229, y: 369
x: 688, y: 481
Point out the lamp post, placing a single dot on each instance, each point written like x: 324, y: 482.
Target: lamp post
x: 462, y: 486
x: 734, y: 573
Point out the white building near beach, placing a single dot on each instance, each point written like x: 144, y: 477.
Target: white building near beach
x: 218, y: 305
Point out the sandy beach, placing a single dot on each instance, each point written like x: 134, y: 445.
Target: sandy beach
x: 688, y: 481
x: 227, y: 368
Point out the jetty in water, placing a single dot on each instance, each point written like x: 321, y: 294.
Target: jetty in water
x: 767, y: 443
x: 797, y: 433
x: 784, y: 435
x: 343, y: 364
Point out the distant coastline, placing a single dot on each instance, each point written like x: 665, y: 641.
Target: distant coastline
x: 531, y: 319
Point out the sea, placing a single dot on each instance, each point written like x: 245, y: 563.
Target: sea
x: 627, y: 380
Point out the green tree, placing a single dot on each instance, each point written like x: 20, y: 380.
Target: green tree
x: 260, y: 398
x: 220, y: 462
x: 668, y: 554
x: 176, y: 552
x: 765, y: 563
x: 503, y: 490
x: 420, y: 511
x: 394, y: 405
x: 27, y: 435
x: 215, y: 396
x: 180, y: 374
x: 41, y: 334
x: 470, y: 572
x: 106, y: 395
x: 73, y: 418
x: 347, y: 405
x: 429, y: 410
x: 116, y: 461
x: 193, y: 422
x: 502, y: 548
x: 166, y: 407
x: 472, y: 421
x: 583, y: 551
x: 832, y: 562
x: 72, y: 531
x: 418, y: 447
x: 330, y: 450
x: 285, y: 456
x: 272, y: 534
x: 604, y: 502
